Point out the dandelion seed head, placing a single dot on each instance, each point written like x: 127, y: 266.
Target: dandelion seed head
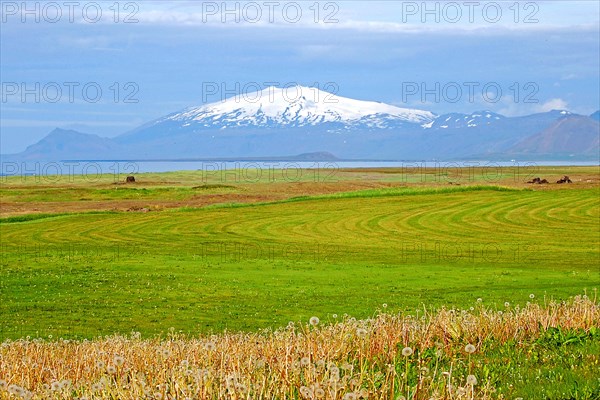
x: 334, y: 315
x: 210, y: 346
x: 306, y: 392
x: 97, y: 387
x: 350, y: 396
x: 471, y: 380
x: 531, y: 296
x: 314, y: 321
x: 407, y: 351
x: 384, y: 305
x: 361, y: 333
x: 334, y: 370
x: 240, y: 387
x: 304, y: 361
x: 470, y: 348
x: 479, y: 300
x: 118, y: 360
x: 111, y: 369
x: 319, y: 393
x: 507, y: 304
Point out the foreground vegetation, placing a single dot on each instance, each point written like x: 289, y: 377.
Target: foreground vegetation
x: 259, y: 266
x: 544, y: 350
x: 177, y: 287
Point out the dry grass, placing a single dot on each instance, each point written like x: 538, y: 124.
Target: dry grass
x: 350, y: 359
x: 32, y: 195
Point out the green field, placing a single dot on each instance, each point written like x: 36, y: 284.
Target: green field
x: 251, y: 266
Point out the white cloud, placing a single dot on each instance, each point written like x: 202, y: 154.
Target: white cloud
x: 568, y: 77
x: 507, y: 106
x: 552, y: 104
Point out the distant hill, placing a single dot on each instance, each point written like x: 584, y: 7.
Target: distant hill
x: 572, y: 135
x: 68, y: 144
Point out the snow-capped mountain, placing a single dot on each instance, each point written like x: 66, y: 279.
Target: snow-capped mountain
x: 298, y: 106
x: 277, y: 122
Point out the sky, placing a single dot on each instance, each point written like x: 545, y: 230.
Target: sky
x: 107, y: 67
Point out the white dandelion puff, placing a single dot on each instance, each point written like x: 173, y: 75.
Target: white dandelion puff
x: 471, y: 380
x: 306, y: 392
x: 210, y: 346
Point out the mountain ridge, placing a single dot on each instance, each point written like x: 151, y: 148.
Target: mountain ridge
x: 269, y: 124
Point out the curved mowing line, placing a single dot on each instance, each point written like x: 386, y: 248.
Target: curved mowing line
x: 354, y: 194
x: 365, y: 223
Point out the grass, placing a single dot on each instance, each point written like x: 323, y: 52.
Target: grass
x: 544, y: 350
x: 244, y: 268
x: 217, y: 281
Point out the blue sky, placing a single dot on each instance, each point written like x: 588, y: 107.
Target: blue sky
x: 540, y: 55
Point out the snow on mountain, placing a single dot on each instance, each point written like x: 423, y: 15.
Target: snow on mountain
x: 296, y: 107
x: 459, y: 121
